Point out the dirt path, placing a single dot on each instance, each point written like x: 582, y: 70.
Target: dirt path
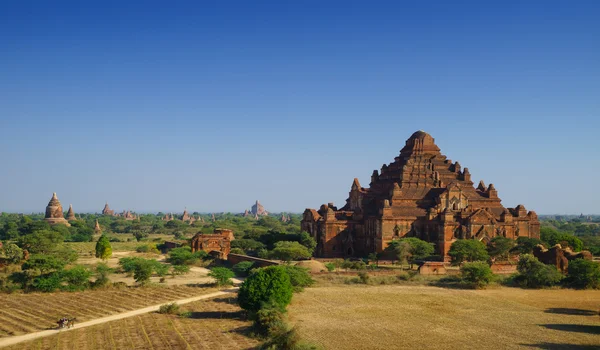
x: 21, y: 338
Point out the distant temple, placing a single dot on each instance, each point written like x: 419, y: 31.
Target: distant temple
x: 71, y: 214
x: 218, y: 242
x: 54, y: 212
x: 258, y: 210
x: 421, y: 194
x: 107, y: 211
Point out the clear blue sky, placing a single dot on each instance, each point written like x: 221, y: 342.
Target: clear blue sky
x: 211, y: 105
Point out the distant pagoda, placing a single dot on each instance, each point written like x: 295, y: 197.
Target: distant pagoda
x: 71, y: 214
x: 54, y: 212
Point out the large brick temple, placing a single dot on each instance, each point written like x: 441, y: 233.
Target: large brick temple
x: 421, y: 194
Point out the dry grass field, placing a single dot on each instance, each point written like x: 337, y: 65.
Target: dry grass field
x: 26, y: 313
x: 423, y: 317
x: 213, y: 324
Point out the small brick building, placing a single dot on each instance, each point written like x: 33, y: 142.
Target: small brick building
x: 219, y: 241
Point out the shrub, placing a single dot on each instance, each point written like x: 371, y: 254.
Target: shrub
x: 411, y: 249
x: 102, y: 272
x: 535, y: 274
x: 330, y: 266
x: 180, y: 269
x: 583, y: 274
x: 238, y: 251
x: 47, y: 283
x: 242, y: 269
x: 269, y: 320
x: 299, y: 277
x: 77, y: 278
x: 468, y: 250
x: 171, y: 309
x: 263, y: 286
x: 500, y: 247
x: 184, y: 256
x: 222, y: 275
x: 103, y: 248
x: 288, y: 251
x: 142, y: 271
x: 364, y: 277
x: 478, y: 273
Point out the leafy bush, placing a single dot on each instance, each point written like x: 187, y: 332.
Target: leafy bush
x: 299, y: 277
x: 142, y: 271
x: 222, y: 275
x: 364, y: 277
x: 263, y: 286
x: 77, y: 278
x: 525, y: 245
x: 500, y: 247
x: 353, y: 265
x: 478, y: 273
x: 147, y: 248
x: 180, y: 269
x: 269, y: 320
x: 411, y: 249
x: 330, y: 266
x: 184, y: 256
x: 468, y: 250
x: 171, y: 309
x: 242, y: 269
x: 47, y: 283
x: 288, y: 251
x: 238, y: 251
x: 583, y: 274
x: 552, y: 237
x: 103, y: 248
x: 535, y: 274
x: 102, y: 272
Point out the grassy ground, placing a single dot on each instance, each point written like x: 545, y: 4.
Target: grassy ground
x: 213, y: 324
x: 424, y: 317
x: 25, y: 313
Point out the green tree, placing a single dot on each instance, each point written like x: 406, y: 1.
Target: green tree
x: 307, y: 241
x: 553, y: 237
x: 500, y: 247
x: 288, y: 251
x: 525, y: 245
x: 102, y: 273
x: 11, y: 253
x: 478, y: 273
x: 180, y: 269
x: 299, y: 277
x: 467, y: 250
x: 103, y: 248
x: 583, y: 274
x: 43, y: 264
x: 139, y: 235
x: 535, y: 274
x: 222, y: 275
x: 143, y: 271
x: 263, y: 286
x: 77, y: 278
x: 184, y: 256
x: 242, y: 269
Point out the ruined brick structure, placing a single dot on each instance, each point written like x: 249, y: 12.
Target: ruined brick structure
x: 219, y: 241
x: 54, y: 212
x: 421, y: 194
x: 71, y: 214
x: 107, y: 211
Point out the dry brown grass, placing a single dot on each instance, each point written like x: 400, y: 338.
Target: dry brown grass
x: 26, y: 313
x: 214, y: 324
x: 423, y: 317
